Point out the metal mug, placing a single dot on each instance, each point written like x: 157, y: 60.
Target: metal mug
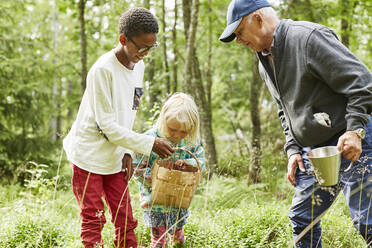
x: 326, y: 162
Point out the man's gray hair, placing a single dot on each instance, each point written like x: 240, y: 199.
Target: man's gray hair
x: 265, y: 11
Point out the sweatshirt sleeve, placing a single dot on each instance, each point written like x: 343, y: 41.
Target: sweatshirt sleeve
x: 99, y: 86
x: 328, y: 59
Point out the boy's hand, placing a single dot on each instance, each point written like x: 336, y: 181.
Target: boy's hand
x: 127, y: 166
x: 162, y: 148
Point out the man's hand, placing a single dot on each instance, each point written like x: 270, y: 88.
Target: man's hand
x: 295, y: 161
x: 162, y: 148
x: 127, y: 166
x: 351, y: 145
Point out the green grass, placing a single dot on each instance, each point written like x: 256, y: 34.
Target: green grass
x: 225, y: 213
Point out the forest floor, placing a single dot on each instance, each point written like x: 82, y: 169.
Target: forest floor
x: 225, y: 212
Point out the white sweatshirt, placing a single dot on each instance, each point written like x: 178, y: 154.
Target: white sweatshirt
x: 110, y: 102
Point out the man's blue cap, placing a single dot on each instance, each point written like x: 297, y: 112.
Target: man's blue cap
x: 235, y: 13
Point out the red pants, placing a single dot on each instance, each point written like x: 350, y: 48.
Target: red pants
x: 89, y: 188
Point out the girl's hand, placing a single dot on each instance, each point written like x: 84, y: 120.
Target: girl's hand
x: 181, y: 163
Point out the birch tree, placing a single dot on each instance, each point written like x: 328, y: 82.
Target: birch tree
x: 83, y: 44
x: 193, y: 81
x: 255, y: 161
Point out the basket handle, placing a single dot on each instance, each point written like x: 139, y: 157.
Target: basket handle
x: 187, y: 151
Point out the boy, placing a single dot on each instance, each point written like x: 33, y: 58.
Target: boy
x: 101, y: 134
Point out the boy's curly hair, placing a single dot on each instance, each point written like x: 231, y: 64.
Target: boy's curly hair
x: 136, y: 21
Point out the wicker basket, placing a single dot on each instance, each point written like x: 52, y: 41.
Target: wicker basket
x: 172, y: 187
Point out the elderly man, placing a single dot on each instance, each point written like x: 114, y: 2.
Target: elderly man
x: 324, y: 98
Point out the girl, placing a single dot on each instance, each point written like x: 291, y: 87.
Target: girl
x: 179, y: 124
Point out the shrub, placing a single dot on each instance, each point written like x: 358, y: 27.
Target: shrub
x: 28, y: 232
x: 253, y: 227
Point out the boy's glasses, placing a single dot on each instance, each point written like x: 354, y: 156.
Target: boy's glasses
x: 143, y: 49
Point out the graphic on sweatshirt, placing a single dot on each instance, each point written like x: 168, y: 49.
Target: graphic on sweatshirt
x: 138, y: 92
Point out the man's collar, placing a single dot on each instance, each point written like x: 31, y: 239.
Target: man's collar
x: 266, y: 52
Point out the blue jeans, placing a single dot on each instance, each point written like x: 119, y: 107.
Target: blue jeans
x: 310, y: 200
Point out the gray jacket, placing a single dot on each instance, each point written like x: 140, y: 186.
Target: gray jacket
x: 315, y: 73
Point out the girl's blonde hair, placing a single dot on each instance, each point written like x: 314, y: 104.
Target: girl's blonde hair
x: 180, y: 106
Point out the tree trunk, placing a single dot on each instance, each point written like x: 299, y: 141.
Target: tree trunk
x: 186, y: 9
x: 69, y: 94
x: 146, y: 4
x: 174, y: 37
x: 55, y: 124
x: 310, y: 11
x: 83, y: 44
x: 190, y: 33
x: 345, y: 29
x: 194, y: 84
x: 166, y: 66
x: 150, y: 68
x: 209, y: 61
x: 154, y: 92
x: 255, y: 165
x: 59, y: 117
x: 286, y: 11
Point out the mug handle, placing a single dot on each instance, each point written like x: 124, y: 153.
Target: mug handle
x: 350, y: 165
